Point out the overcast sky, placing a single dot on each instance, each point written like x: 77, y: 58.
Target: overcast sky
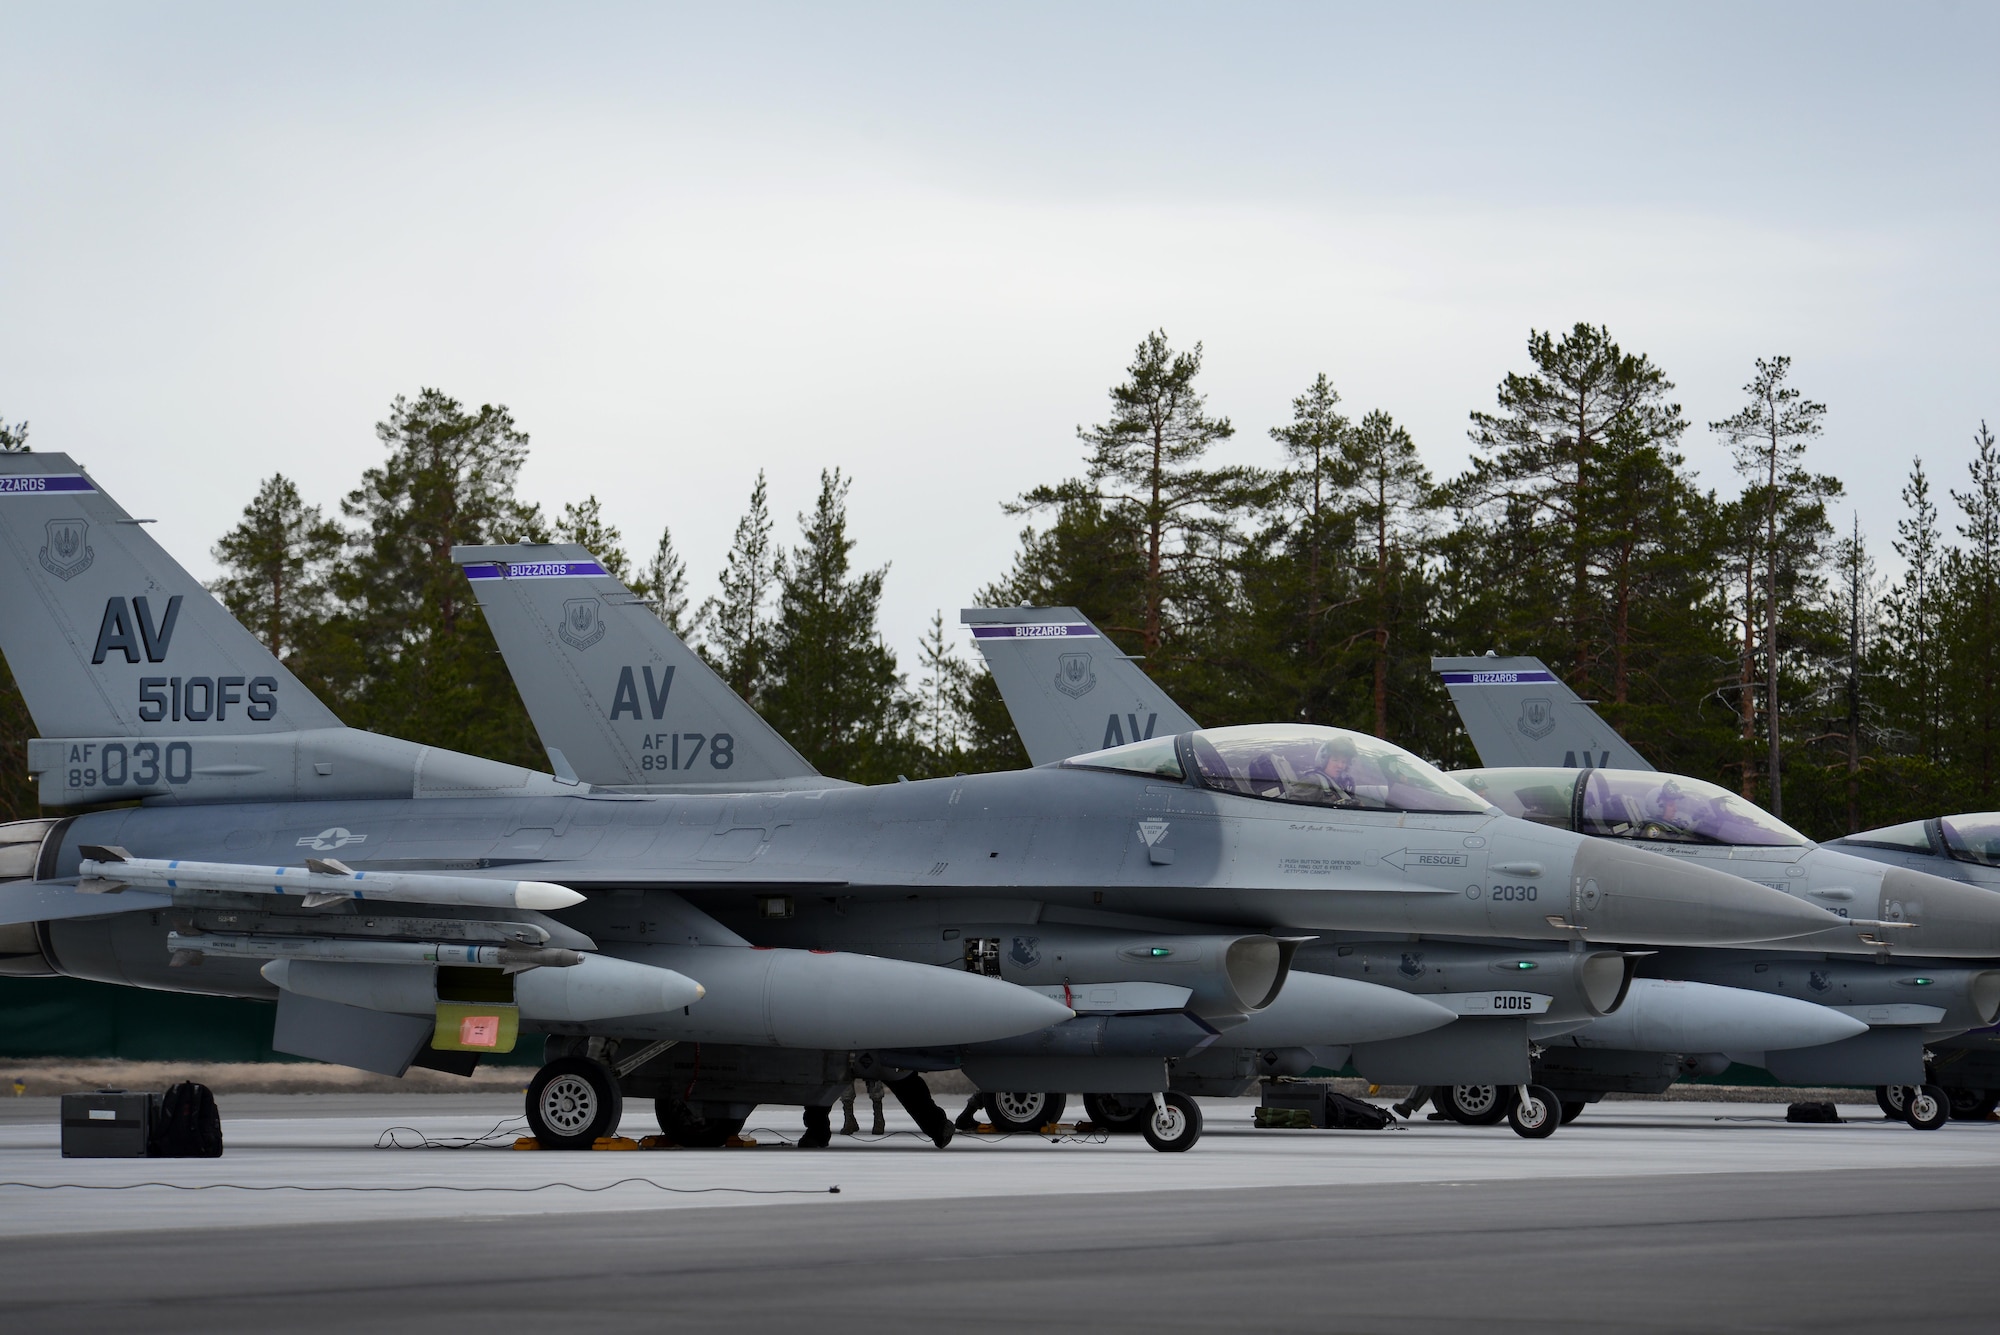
x: 920, y: 243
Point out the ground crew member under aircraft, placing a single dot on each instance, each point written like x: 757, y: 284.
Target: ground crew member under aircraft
x: 851, y: 1127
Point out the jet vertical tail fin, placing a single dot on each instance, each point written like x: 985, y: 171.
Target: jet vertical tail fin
x: 1068, y: 688
x: 617, y: 698
x: 1518, y: 713
x: 109, y: 637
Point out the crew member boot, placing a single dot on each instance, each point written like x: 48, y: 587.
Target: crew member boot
x: 848, y: 1125
x: 819, y: 1129
x: 881, y: 1127
x: 915, y: 1096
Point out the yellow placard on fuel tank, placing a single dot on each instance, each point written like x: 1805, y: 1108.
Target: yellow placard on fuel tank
x: 470, y: 1026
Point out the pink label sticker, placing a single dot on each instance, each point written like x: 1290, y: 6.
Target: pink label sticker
x: 479, y: 1031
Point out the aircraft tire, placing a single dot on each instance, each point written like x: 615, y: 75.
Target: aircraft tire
x: 1174, y: 1127
x: 1889, y: 1098
x: 1926, y: 1107
x: 1540, y: 1118
x: 572, y: 1102
x: 1019, y: 1114
x: 1972, y: 1105
x: 686, y: 1127
x: 1117, y: 1114
x: 1572, y: 1110
x: 1473, y: 1105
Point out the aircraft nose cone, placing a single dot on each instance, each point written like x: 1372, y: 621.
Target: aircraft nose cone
x: 1951, y: 918
x: 1626, y: 894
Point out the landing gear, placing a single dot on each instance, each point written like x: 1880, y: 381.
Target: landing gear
x: 1572, y: 1111
x: 1534, y: 1111
x: 684, y: 1126
x: 1474, y: 1105
x: 572, y: 1102
x: 1173, y: 1124
x: 1889, y: 1098
x: 1972, y: 1105
x: 1925, y: 1107
x: 1017, y: 1113
x: 1117, y: 1114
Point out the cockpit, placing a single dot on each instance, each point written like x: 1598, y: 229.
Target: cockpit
x: 1973, y: 836
x: 1632, y: 804
x: 1296, y: 763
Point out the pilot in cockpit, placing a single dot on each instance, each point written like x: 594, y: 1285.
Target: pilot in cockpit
x: 1336, y: 770
x: 1673, y: 810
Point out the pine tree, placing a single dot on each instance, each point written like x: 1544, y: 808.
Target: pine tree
x: 665, y: 585
x: 1855, y: 584
x: 1913, y: 612
x: 582, y: 522
x: 415, y: 658
x: 1768, y: 436
x: 834, y: 691
x: 1973, y: 574
x: 276, y: 564
x: 737, y: 620
x: 1544, y: 498
x: 942, y: 702
x: 1392, y: 498
x: 1310, y: 488
x: 1145, y: 472
x: 13, y: 439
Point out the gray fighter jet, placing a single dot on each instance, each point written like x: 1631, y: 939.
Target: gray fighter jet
x: 404, y: 904
x: 598, y: 672
x: 1920, y: 1000
x: 1860, y: 1029
x: 1964, y: 847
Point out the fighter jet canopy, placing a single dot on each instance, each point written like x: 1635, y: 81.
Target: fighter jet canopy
x: 1327, y: 767
x: 1632, y: 804
x: 1974, y: 837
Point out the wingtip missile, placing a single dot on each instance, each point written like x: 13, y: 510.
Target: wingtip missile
x: 544, y: 895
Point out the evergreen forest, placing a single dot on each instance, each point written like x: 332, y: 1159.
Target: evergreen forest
x: 1743, y: 635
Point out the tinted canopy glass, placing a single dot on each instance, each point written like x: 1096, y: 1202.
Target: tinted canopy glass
x: 1910, y: 836
x: 1156, y: 756
x: 1326, y: 767
x: 1543, y: 796
x: 1974, y: 837
x: 1672, y: 808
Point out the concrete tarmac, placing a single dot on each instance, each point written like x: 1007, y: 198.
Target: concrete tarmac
x: 1642, y: 1216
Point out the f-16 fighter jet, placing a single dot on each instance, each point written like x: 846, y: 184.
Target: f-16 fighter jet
x: 1964, y: 847
x: 614, y: 693
x: 1941, y: 933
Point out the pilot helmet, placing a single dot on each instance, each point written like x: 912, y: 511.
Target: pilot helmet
x: 1339, y: 747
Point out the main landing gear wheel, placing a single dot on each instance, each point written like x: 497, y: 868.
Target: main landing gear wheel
x: 1017, y: 1113
x: 1972, y: 1105
x: 1536, y: 1116
x: 1925, y: 1107
x: 1117, y: 1114
x: 572, y: 1102
x: 684, y: 1126
x: 1474, y: 1105
x: 1173, y: 1124
x: 1572, y: 1111
x: 1889, y: 1098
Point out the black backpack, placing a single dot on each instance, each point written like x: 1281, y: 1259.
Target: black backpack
x: 1352, y: 1114
x: 187, y: 1125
